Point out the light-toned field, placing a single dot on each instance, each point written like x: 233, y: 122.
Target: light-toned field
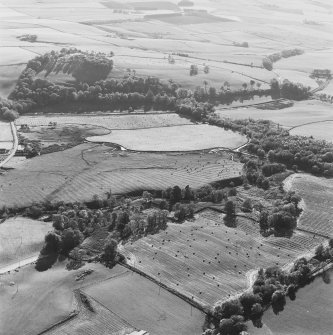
x: 317, y: 194
x: 32, y: 301
x: 319, y: 130
x: 5, y: 132
x: 109, y: 121
x: 21, y: 238
x: 146, y: 306
x: 77, y: 174
x: 138, y: 41
x: 178, y: 138
x: 305, y: 315
x: 299, y: 114
x: 206, y: 260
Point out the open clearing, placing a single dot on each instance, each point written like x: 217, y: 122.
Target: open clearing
x: 41, y: 299
x: 146, y: 306
x: 78, y: 173
x: 182, y: 138
x: 299, y: 114
x: 21, y: 238
x: 109, y: 121
x: 208, y: 261
x: 310, y: 313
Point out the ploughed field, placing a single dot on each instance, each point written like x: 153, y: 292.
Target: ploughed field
x: 208, y: 261
x: 79, y: 173
x: 182, y: 138
x: 21, y: 238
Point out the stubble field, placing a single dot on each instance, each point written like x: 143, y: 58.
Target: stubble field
x: 79, y: 173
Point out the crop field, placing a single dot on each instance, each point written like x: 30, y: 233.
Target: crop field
x: 299, y: 114
x: 317, y: 194
x: 208, y: 261
x: 41, y: 299
x: 109, y: 121
x: 147, y: 306
x: 321, y: 130
x: 180, y: 138
x: 78, y: 173
x: 21, y: 238
x: 313, y: 301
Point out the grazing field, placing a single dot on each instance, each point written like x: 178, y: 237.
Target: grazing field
x: 208, y: 261
x: 299, y: 114
x: 79, y: 173
x: 100, y: 321
x: 146, y: 306
x: 320, y: 130
x: 317, y: 194
x: 109, y: 121
x: 21, y: 238
x: 307, y: 315
x: 180, y: 138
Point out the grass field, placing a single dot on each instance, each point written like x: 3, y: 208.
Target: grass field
x: 299, y: 114
x: 108, y: 121
x: 206, y: 260
x: 37, y: 300
x: 21, y: 238
x: 77, y: 174
x: 317, y: 194
x: 146, y: 306
x: 300, y: 317
x: 321, y: 130
x: 182, y: 138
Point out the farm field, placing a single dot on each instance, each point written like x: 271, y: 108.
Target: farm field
x: 146, y: 306
x: 317, y: 194
x: 208, y: 261
x: 99, y: 322
x: 180, y: 138
x: 41, y: 299
x: 109, y: 121
x: 79, y: 173
x: 5, y: 132
x: 299, y: 114
x: 134, y: 38
x: 321, y: 130
x: 314, y: 300
x: 21, y: 238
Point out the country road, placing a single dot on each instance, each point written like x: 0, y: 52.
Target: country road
x: 18, y: 264
x: 15, y: 145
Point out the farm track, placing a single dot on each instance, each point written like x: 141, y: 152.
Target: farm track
x: 15, y: 145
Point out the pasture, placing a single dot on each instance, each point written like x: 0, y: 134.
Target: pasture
x: 21, y: 238
x: 180, y: 138
x: 147, y: 306
x: 208, y: 261
x: 302, y: 112
x: 41, y: 299
x: 319, y: 130
x: 108, y: 121
x: 301, y: 316
x: 79, y: 173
